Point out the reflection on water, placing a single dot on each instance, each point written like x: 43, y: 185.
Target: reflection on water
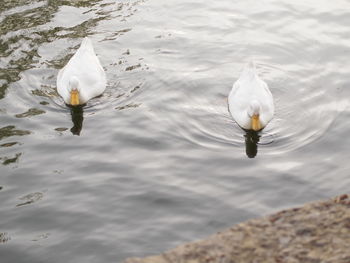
x: 10, y: 130
x: 77, y: 114
x: 35, y: 24
x: 4, y: 237
x: 30, y: 198
x: 251, y: 143
x: 9, y: 160
x: 29, y: 113
x: 161, y: 143
x: 9, y: 144
x: 41, y: 237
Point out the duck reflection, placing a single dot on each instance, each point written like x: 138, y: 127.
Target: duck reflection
x: 77, y: 119
x: 251, y: 143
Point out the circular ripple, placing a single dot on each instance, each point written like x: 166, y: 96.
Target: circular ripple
x: 305, y: 108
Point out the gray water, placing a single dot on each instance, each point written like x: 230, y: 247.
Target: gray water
x: 157, y: 160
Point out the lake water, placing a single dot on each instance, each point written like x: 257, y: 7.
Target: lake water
x: 157, y: 160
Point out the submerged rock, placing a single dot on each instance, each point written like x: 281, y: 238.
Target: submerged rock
x: 316, y: 232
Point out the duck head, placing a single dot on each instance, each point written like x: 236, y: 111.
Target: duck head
x: 254, y: 115
x: 74, y: 89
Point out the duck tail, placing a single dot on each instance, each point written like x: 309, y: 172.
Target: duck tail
x: 250, y: 69
x: 251, y: 64
x: 87, y: 44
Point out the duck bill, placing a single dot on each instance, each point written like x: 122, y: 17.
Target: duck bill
x: 256, y: 125
x: 74, y: 98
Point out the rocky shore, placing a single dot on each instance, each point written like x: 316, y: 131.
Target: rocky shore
x: 314, y: 233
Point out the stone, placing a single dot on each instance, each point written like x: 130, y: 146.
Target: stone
x: 314, y: 233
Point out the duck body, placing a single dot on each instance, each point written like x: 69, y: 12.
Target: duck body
x: 83, y: 77
x: 250, y: 100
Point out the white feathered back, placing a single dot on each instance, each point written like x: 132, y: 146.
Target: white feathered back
x: 247, y: 89
x: 86, y: 67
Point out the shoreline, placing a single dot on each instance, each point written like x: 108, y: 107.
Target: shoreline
x: 312, y: 233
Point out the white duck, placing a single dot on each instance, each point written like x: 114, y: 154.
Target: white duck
x: 83, y: 77
x: 250, y: 100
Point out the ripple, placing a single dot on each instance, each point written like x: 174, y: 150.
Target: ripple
x: 30, y: 198
x: 10, y: 130
x: 163, y: 122
x: 303, y: 113
x: 202, y: 120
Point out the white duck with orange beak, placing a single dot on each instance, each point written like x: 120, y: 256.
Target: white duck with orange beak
x: 250, y: 100
x: 83, y: 78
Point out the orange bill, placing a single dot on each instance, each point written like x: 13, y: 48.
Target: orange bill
x: 256, y: 125
x: 74, y: 97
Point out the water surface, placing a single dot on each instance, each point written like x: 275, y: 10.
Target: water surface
x: 157, y: 160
